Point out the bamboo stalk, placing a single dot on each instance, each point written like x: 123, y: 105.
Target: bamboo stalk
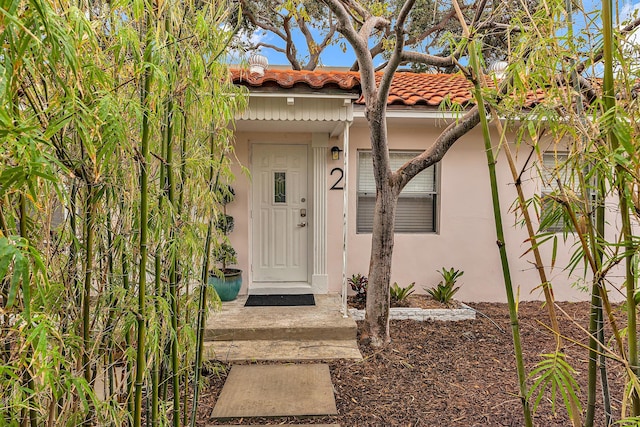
x: 173, y: 260
x: 595, y: 317
x: 144, y: 218
x: 28, y: 378
x: 185, y: 280
x: 474, y: 63
x: 90, y: 213
x: 513, y: 314
x: 159, y: 289
x: 128, y: 339
x: 596, y: 308
x: 202, y: 302
x: 609, y: 99
x: 546, y: 285
x: 606, y: 398
x: 596, y: 331
x: 539, y: 264
x: 155, y: 372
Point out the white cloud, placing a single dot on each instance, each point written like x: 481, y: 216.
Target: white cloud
x: 254, y: 38
x: 629, y: 11
x: 631, y: 46
x: 245, y: 40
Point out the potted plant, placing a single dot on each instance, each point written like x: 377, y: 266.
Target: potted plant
x: 225, y: 280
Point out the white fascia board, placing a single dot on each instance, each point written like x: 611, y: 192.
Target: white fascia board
x: 414, y: 114
x: 417, y: 114
x: 302, y: 95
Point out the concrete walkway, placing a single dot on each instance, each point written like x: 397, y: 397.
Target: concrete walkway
x: 320, y: 332
x: 238, y: 333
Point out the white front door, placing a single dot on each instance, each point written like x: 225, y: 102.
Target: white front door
x: 280, y: 217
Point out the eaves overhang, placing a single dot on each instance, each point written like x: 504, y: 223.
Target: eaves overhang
x: 296, y: 111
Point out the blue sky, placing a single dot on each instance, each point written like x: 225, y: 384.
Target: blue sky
x: 333, y: 56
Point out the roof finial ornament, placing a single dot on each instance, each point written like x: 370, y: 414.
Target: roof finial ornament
x: 498, y: 69
x: 258, y: 64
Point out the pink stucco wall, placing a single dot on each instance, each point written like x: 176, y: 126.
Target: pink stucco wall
x: 466, y: 234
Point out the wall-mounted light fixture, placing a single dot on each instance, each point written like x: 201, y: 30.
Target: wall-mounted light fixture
x: 335, y: 153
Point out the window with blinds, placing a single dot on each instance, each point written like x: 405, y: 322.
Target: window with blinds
x: 552, y: 215
x: 417, y: 204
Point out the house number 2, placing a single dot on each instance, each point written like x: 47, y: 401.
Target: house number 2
x: 338, y: 184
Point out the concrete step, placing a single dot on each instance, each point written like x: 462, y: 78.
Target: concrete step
x: 278, y: 350
x: 275, y: 332
x: 321, y: 322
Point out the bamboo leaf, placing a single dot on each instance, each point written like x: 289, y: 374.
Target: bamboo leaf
x: 6, y: 256
x: 622, y: 131
x: 11, y: 177
x: 20, y: 267
x: 555, y: 374
x: 23, y: 270
x: 554, y: 251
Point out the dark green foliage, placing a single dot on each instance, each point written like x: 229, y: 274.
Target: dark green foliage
x: 446, y: 289
x: 451, y: 275
x: 400, y: 294
x: 359, y: 284
x: 225, y: 223
x: 443, y: 292
x: 225, y: 194
x: 225, y: 254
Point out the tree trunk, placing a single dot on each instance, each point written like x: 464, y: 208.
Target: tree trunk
x: 377, y: 312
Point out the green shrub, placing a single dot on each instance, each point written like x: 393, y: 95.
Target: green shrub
x: 399, y: 294
x: 446, y: 289
x: 359, y: 284
x: 225, y: 223
x: 450, y: 276
x: 225, y: 255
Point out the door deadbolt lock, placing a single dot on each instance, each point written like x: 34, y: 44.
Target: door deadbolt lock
x: 303, y: 213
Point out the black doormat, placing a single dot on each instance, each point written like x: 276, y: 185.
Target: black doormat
x: 279, y: 300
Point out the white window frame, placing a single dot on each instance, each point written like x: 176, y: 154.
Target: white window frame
x: 365, y: 191
x: 550, y: 159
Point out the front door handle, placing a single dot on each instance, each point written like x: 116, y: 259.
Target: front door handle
x: 302, y: 224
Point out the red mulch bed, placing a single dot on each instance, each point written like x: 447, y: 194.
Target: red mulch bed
x: 447, y: 374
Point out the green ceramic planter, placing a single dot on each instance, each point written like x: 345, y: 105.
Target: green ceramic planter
x: 228, y: 286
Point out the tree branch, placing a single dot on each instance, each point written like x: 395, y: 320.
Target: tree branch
x: 314, y: 48
x: 438, y: 27
x: 246, y: 11
x: 396, y: 55
x: 271, y: 46
x: 424, y: 58
x: 447, y: 138
x: 439, y: 148
x: 359, y: 44
x: 629, y: 28
x: 292, y: 54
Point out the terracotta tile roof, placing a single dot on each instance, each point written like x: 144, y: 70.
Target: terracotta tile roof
x: 406, y: 89
x: 428, y: 89
x: 288, y: 79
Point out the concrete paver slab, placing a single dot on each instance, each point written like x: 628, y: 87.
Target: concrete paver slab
x: 276, y: 390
